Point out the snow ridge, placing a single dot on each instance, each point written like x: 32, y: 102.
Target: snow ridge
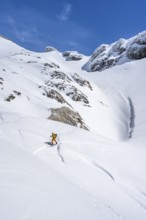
x: 122, y: 51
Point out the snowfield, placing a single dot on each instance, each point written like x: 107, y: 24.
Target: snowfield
x: 99, y: 173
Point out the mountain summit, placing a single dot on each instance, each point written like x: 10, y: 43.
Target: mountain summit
x: 122, y: 51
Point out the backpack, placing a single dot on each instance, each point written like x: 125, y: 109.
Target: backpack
x: 54, y: 135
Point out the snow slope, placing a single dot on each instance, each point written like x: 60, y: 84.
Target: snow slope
x: 95, y: 174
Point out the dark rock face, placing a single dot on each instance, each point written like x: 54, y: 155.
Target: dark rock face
x: 71, y: 91
x: 141, y: 38
x: 99, y: 51
x: 10, y: 98
x: 72, y: 55
x: 67, y: 116
x: 136, y: 53
x: 51, y: 65
x: 53, y: 94
x: 82, y: 82
x: 60, y: 75
x: 106, y: 56
x: 119, y: 46
x: 1, y: 81
x: 77, y: 95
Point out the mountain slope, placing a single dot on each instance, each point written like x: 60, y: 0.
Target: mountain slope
x: 97, y: 172
x: 55, y: 83
x: 128, y: 80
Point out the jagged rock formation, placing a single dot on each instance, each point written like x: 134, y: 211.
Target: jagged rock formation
x: 67, y: 116
x: 53, y: 94
x: 72, y: 55
x: 134, y: 53
x: 62, y: 82
x: 106, y: 56
x: 51, y: 65
x: 70, y: 90
x: 60, y: 75
x: 82, y: 82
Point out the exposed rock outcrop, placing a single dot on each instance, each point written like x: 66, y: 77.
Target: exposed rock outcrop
x: 53, y: 94
x: 60, y: 75
x: 136, y: 53
x: 51, y: 65
x: 72, y: 55
x: 81, y: 81
x: 122, y: 51
x: 67, y: 116
x: 70, y: 90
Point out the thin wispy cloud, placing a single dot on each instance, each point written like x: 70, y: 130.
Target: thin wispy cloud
x: 35, y: 31
x: 65, y: 13
x: 23, y: 34
x: 72, y: 43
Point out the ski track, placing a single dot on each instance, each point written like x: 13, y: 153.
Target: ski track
x: 137, y: 201
x: 103, y: 169
x: 124, y: 189
x: 130, y: 193
x: 141, y: 192
x: 95, y: 164
x: 59, y: 152
x: 119, y: 216
x: 38, y: 150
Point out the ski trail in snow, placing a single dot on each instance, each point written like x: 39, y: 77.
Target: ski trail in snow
x: 131, y: 194
x: 38, y: 150
x: 103, y: 169
x: 91, y: 163
x: 141, y: 192
x: 59, y: 152
x: 136, y: 200
x: 116, y: 213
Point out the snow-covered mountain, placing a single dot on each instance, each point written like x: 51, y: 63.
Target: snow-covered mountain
x: 122, y: 51
x: 60, y: 91
x: 97, y: 170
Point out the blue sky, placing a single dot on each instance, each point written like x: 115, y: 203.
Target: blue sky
x: 80, y: 25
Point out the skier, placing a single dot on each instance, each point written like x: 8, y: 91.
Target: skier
x: 53, y: 136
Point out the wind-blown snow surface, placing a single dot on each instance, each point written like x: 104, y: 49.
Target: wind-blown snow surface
x: 96, y: 174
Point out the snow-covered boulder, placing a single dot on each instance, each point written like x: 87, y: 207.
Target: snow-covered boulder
x: 72, y: 55
x: 50, y: 49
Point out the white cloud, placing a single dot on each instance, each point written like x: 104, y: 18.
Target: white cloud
x: 19, y: 29
x: 65, y: 13
x: 72, y: 43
